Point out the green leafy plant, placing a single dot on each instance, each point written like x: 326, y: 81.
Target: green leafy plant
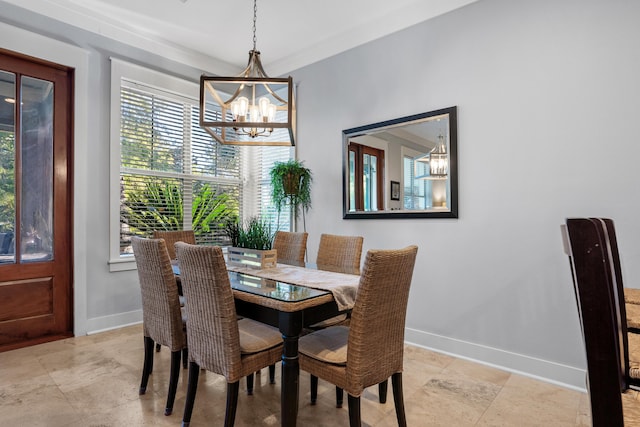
x: 255, y: 234
x: 232, y: 229
x: 159, y: 206
x: 210, y: 208
x: 7, y: 182
x: 291, y: 185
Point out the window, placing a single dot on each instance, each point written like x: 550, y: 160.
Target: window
x: 417, y: 192
x: 169, y: 173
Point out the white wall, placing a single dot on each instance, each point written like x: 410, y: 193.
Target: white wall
x: 548, y: 100
x: 548, y: 104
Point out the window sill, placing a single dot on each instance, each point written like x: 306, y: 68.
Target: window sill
x: 122, y: 264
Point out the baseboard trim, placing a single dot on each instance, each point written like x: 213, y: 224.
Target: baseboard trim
x: 555, y: 373
x: 107, y: 323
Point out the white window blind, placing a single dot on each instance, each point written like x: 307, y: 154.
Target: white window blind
x: 173, y: 175
x: 170, y: 174
x: 416, y: 191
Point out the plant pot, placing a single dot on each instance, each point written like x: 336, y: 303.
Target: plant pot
x: 291, y: 184
x: 252, y: 258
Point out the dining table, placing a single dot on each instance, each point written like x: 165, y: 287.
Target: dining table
x: 290, y: 298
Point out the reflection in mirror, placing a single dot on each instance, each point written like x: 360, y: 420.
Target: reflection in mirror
x: 402, y: 168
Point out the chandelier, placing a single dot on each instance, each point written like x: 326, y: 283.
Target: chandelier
x: 438, y: 161
x: 250, y: 109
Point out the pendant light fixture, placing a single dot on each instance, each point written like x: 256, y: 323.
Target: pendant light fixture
x: 438, y: 161
x: 250, y: 109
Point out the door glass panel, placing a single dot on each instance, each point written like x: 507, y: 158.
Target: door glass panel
x: 352, y: 181
x: 370, y: 183
x: 36, y: 202
x: 7, y: 167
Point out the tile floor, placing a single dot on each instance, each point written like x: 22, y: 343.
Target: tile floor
x: 93, y: 381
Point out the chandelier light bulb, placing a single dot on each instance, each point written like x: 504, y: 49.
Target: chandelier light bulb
x: 271, y: 113
x: 264, y: 103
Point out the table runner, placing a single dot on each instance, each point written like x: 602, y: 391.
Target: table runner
x: 343, y: 286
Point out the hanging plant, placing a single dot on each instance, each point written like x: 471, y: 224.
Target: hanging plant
x: 291, y: 185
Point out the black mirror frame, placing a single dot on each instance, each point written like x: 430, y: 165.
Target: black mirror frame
x: 453, y: 167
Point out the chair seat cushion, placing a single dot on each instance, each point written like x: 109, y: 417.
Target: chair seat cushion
x: 633, y: 315
x: 634, y: 355
x: 327, y: 345
x: 256, y: 336
x: 632, y: 295
x: 335, y: 320
x: 631, y: 408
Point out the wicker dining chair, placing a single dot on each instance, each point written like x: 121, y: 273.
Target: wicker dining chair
x: 371, y: 349
x: 170, y: 238
x: 340, y: 254
x: 291, y: 247
x: 218, y: 341
x: 602, y: 318
x: 163, y: 322
x: 173, y: 236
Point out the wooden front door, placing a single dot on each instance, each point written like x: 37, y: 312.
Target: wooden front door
x: 366, y: 178
x: 36, y: 120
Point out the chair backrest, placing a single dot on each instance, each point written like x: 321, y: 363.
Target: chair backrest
x: 340, y: 254
x: 291, y: 247
x: 603, y: 323
x: 162, y: 318
x: 609, y: 236
x: 376, y: 332
x: 171, y: 237
x: 606, y: 230
x: 212, y: 333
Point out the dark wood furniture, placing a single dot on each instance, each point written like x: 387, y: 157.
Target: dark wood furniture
x: 592, y: 248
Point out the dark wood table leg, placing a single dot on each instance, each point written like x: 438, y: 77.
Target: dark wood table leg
x: 290, y: 325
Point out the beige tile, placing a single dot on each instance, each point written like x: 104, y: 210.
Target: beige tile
x: 427, y: 357
x: 133, y: 413
x: 19, y: 369
x: 93, y: 382
x: 583, y: 418
x: 35, y: 402
x: 450, y: 399
x: 478, y: 371
x: 532, y: 403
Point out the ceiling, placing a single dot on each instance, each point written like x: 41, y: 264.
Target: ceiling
x: 290, y: 33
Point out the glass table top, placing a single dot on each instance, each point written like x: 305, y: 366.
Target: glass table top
x: 269, y: 288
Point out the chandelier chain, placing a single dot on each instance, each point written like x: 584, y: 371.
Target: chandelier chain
x: 255, y: 14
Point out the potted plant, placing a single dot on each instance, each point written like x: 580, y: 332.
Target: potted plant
x: 250, y: 243
x: 291, y: 185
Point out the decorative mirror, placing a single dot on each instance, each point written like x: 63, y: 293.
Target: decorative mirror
x: 402, y: 168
